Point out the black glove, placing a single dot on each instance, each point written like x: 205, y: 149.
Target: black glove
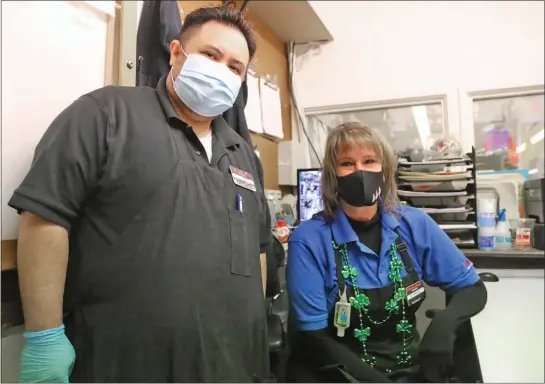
x: 437, y: 346
x: 436, y: 350
x: 435, y: 368
x: 337, y: 361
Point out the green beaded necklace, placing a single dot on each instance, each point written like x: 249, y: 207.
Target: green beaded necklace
x: 361, y: 303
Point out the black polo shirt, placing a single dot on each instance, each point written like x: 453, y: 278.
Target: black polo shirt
x: 103, y: 157
x: 134, y: 131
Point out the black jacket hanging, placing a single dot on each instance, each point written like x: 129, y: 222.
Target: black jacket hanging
x: 235, y: 116
x: 160, y: 23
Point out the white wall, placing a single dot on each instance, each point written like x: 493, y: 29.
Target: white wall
x: 52, y: 53
x: 390, y: 49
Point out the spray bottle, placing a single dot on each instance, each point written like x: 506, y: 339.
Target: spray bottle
x: 486, y: 223
x: 503, y: 232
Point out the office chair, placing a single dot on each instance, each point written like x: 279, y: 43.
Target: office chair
x: 278, y: 305
x: 276, y: 321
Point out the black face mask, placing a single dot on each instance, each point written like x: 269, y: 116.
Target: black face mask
x: 361, y: 188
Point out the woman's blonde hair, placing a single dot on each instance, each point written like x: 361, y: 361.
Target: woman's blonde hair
x: 356, y: 134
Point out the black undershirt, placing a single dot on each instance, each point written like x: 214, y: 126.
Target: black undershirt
x: 369, y: 232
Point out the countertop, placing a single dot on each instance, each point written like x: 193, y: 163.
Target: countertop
x: 533, y: 253
x: 509, y: 259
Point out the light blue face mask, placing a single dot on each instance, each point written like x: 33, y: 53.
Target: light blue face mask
x: 207, y: 87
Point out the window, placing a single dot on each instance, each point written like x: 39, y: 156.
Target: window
x: 411, y: 128
x: 509, y: 133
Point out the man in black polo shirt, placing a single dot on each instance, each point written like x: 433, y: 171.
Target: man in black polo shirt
x: 148, y: 205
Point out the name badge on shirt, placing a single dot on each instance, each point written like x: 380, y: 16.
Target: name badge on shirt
x: 415, y: 293
x: 242, y: 178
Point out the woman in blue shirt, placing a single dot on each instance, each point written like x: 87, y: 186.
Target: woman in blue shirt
x: 355, y: 275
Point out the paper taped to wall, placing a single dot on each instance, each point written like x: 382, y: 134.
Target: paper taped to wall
x: 271, y: 109
x: 252, y: 111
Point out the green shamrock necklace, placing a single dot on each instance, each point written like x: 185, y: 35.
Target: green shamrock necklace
x: 361, y: 303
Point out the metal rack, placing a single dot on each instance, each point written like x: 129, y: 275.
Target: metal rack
x: 450, y: 201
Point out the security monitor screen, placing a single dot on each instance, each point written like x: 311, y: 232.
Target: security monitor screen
x: 309, y: 196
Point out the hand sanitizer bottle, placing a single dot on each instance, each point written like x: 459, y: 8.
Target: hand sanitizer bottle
x: 503, y: 232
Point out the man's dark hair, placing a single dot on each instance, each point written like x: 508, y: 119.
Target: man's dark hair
x: 225, y: 15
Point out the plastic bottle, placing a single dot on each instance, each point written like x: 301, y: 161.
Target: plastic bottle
x: 282, y: 231
x: 486, y: 223
x: 503, y: 232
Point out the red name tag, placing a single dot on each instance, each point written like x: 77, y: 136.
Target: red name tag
x: 415, y: 293
x: 242, y: 178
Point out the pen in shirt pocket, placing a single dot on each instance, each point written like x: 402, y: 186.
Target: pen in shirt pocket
x: 239, y: 204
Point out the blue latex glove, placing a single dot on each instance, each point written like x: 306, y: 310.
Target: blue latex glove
x: 47, y: 357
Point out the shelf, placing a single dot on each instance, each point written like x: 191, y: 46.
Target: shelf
x: 462, y: 228
x: 295, y: 21
x: 436, y: 162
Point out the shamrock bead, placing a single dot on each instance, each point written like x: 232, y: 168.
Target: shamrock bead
x: 391, y: 306
x: 396, y: 264
x: 360, y: 301
x: 362, y: 334
x: 404, y: 357
x: 349, y: 271
x: 401, y: 294
x: 394, y: 276
x: 404, y: 326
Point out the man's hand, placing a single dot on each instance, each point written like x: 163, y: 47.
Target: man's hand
x: 47, y: 357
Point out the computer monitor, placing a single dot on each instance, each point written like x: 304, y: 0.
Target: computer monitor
x: 309, y: 193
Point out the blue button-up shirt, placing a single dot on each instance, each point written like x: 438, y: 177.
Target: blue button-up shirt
x: 311, y: 272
